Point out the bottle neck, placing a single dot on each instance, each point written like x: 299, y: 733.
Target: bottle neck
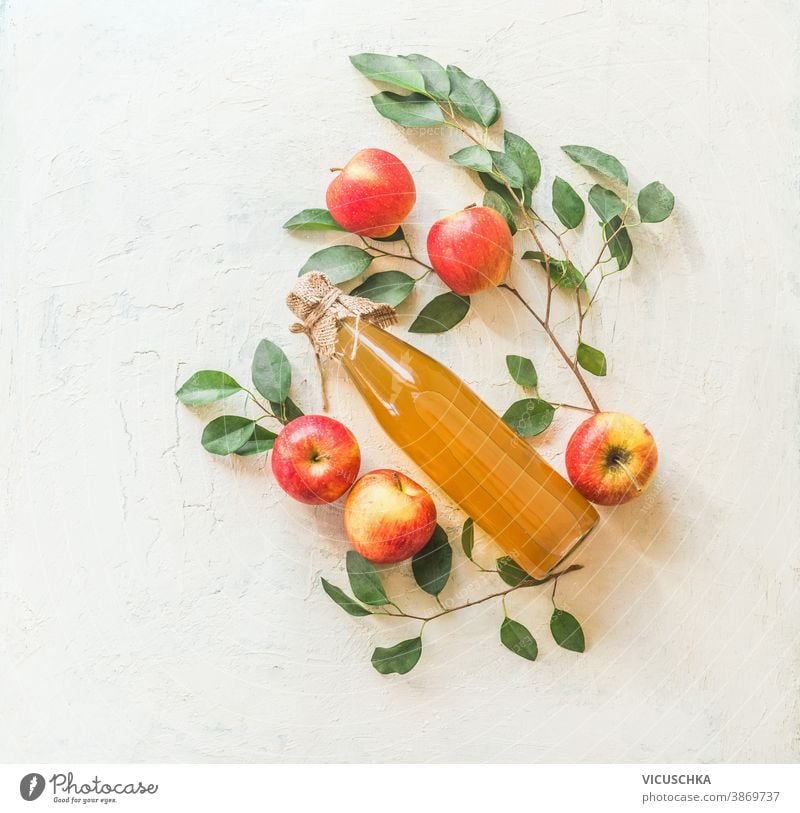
x: 346, y: 338
x: 358, y: 340
x: 381, y: 365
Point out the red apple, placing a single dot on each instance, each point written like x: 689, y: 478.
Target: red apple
x: 611, y: 458
x: 372, y: 195
x: 471, y: 250
x: 315, y: 459
x: 388, y: 517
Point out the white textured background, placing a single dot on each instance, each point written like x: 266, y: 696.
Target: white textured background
x: 162, y: 604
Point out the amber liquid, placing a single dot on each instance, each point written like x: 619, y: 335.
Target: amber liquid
x: 532, y: 512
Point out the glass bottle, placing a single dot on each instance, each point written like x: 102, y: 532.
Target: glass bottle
x: 510, y: 492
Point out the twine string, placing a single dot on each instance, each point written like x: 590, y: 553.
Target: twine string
x: 321, y: 306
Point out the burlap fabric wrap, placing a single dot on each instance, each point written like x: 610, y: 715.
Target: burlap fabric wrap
x: 321, y: 306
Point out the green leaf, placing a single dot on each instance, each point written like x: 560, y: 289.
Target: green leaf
x: 391, y: 287
x: 441, y: 313
x: 271, y: 373
x: 605, y: 202
x: 513, y: 575
x: 286, y: 410
x: 206, y: 387
x: 348, y: 604
x: 525, y: 157
x: 522, y: 371
x: 261, y: 440
x: 506, y: 167
x: 393, y: 70
x: 567, y: 631
x: 474, y: 98
x: 410, y: 111
x: 567, y: 204
x: 431, y: 566
x: 493, y: 185
x: 397, y: 234
x: 566, y: 275
x: 655, y: 203
x: 496, y: 202
x: 601, y: 162
x: 437, y: 82
x: 312, y: 220
x: 340, y: 263
x: 518, y: 639
x: 475, y: 157
x: 591, y: 359
x: 529, y: 417
x: 563, y: 273
x: 468, y: 537
x: 364, y: 580
x: 620, y: 244
x: 226, y: 434
x: 400, y: 658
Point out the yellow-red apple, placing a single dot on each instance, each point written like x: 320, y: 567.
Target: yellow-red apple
x: 372, y: 195
x: 611, y: 458
x: 388, y: 517
x: 315, y: 459
x: 471, y: 249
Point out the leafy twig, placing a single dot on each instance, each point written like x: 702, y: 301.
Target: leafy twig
x: 475, y: 602
x: 531, y: 218
x: 570, y: 362
x: 383, y: 253
x: 583, y: 311
x: 267, y: 412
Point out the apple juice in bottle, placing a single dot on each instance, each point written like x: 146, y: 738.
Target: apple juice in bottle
x: 465, y: 448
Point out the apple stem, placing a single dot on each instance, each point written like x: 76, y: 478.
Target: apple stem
x: 631, y: 476
x: 337, y: 169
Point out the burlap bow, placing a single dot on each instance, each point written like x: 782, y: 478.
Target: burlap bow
x: 321, y: 306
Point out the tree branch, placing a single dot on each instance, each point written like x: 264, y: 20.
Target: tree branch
x: 552, y: 577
